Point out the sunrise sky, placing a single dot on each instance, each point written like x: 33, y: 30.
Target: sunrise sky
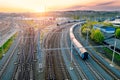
x: 56, y: 5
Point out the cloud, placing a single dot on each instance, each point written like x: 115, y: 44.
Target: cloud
x: 105, y: 8
x: 75, y: 7
x: 105, y: 3
x: 97, y: 6
x: 79, y: 7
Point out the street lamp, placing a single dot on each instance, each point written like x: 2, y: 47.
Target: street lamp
x: 113, y: 54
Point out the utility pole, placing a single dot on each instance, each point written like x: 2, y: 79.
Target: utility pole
x: 113, y: 54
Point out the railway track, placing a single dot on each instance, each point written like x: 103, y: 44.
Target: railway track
x: 55, y: 67
x: 100, y: 63
x: 8, y: 65
x: 24, y: 68
x: 94, y: 71
x: 105, y: 68
x: 59, y: 60
x: 50, y: 66
x: 78, y: 70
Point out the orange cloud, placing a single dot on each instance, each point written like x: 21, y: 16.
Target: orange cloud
x: 55, y: 5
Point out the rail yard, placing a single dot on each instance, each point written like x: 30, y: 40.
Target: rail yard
x: 46, y: 49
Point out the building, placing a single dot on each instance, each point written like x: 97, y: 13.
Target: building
x: 108, y: 29
x: 105, y: 29
x: 116, y: 21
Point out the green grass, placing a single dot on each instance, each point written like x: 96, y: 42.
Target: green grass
x: 6, y: 45
x: 110, y: 52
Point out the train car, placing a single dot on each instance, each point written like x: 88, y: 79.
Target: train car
x: 61, y: 23
x: 78, y: 46
x: 70, y: 21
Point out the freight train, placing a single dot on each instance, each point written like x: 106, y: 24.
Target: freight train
x: 77, y: 45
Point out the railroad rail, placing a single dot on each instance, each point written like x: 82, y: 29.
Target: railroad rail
x: 55, y: 67
x: 94, y: 71
x: 59, y: 60
x: 8, y: 62
x: 24, y: 68
x: 99, y: 61
x: 77, y: 67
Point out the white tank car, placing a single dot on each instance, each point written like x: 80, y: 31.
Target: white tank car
x: 78, y: 46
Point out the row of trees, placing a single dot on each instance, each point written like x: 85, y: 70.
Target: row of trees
x: 94, y: 34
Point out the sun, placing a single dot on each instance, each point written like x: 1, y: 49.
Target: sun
x: 41, y: 9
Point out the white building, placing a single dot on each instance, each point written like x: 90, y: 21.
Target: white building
x: 116, y: 22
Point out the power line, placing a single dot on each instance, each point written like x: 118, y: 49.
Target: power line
x: 65, y: 48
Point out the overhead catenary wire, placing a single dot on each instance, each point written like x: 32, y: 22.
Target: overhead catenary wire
x: 65, y: 48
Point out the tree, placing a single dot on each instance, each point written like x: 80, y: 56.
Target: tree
x: 108, y: 24
x: 88, y: 26
x: 92, y: 33
x: 97, y: 36
x: 117, y: 33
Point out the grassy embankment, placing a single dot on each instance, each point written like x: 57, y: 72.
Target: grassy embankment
x: 6, y: 45
x: 110, y: 53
